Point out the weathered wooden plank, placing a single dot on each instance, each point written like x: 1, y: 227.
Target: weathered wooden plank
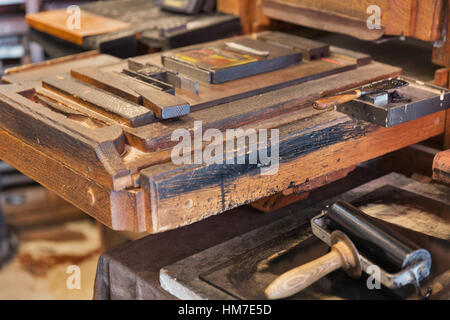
x: 133, y: 177
x: 105, y: 81
x: 69, y: 107
x: 164, y: 105
x: 441, y: 77
x: 118, y: 109
x: 177, y: 193
x: 419, y: 19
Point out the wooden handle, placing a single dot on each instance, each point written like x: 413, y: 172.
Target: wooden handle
x: 327, y: 102
x: 301, y: 277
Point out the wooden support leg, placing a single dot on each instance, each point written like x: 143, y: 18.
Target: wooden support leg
x: 441, y: 78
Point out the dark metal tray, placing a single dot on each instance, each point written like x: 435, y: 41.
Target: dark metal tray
x: 242, y: 267
x: 420, y: 99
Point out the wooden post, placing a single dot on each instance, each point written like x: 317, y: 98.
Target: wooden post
x: 441, y: 78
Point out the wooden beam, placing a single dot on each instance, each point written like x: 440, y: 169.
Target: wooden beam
x: 442, y: 78
x: 177, y: 193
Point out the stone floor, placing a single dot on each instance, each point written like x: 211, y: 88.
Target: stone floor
x: 41, y: 268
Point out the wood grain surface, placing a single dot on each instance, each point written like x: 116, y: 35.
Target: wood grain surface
x: 301, y: 277
x: 55, y: 22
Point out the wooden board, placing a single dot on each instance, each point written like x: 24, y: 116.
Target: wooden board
x: 308, y: 14
x: 164, y: 104
x: 55, y: 22
x: 179, y: 202
x: 118, y: 109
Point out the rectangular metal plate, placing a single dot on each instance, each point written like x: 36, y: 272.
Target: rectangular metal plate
x: 224, y: 61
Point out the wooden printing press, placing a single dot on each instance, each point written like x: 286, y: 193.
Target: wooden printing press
x: 98, y: 131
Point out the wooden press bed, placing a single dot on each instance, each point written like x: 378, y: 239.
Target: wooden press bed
x: 120, y: 172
